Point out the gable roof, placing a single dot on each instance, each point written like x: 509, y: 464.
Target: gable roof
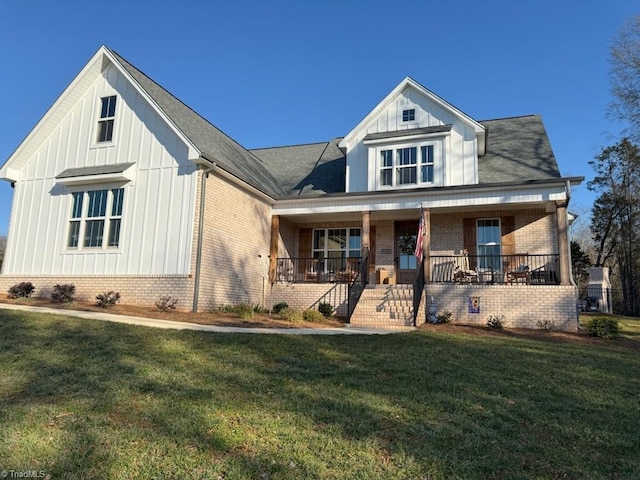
x: 409, y: 82
x: 203, y: 138
x: 209, y: 140
x: 310, y: 169
x: 518, y: 149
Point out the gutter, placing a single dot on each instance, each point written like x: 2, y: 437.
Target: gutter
x: 203, y: 190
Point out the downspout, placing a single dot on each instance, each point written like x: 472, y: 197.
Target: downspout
x: 203, y: 190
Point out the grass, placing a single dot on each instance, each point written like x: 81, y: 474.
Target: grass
x: 83, y: 399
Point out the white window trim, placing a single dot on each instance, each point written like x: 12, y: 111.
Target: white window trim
x: 498, y: 243
x: 97, y: 119
x: 326, y: 250
x: 438, y: 163
x: 104, y: 247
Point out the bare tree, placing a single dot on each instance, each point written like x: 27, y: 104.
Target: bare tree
x: 615, y: 220
x: 625, y: 77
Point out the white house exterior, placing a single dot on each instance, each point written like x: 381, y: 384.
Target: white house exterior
x: 120, y: 186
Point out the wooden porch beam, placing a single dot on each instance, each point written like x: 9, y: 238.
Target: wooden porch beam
x: 563, y: 242
x: 273, y: 248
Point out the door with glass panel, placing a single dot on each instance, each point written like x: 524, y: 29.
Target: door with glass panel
x: 488, y: 237
x: 406, y: 261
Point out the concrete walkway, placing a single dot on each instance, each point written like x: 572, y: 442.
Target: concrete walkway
x: 169, y: 324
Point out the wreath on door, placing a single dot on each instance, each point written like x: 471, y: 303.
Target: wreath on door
x: 407, y: 244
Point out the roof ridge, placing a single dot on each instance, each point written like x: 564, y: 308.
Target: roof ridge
x: 510, y: 118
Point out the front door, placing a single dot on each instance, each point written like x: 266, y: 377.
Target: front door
x: 406, y: 261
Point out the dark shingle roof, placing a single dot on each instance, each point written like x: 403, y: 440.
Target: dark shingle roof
x: 310, y: 169
x: 409, y: 132
x: 518, y: 149
x: 227, y: 153
x: 98, y: 170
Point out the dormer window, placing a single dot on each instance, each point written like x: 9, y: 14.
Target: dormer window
x: 409, y: 115
x: 107, y: 117
x: 411, y: 165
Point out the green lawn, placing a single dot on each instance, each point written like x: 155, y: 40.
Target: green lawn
x: 85, y: 399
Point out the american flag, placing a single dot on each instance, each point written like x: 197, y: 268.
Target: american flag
x: 418, y: 251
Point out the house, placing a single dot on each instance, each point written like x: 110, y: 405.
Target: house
x: 120, y: 186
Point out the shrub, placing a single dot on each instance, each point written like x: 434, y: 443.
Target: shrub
x: 444, y: 317
x: 326, y: 309
x: 290, y: 315
x: 21, y: 290
x: 495, y: 321
x: 603, y: 327
x: 278, y: 307
x: 244, y: 311
x: 63, y: 293
x: 546, y: 325
x: 311, y: 315
x: 166, y: 303
x: 107, y: 299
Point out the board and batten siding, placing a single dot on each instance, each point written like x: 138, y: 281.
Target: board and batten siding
x: 158, y: 215
x: 459, y: 149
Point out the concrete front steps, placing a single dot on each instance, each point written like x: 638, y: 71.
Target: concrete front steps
x: 384, y: 307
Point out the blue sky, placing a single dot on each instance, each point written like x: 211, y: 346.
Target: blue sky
x: 289, y: 72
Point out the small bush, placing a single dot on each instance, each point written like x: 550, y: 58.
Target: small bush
x: 325, y: 309
x: 311, y: 315
x: 495, y: 321
x: 603, y: 327
x: 444, y: 317
x: 166, y: 303
x: 290, y: 315
x: 278, y: 307
x: 63, y: 293
x: 546, y: 325
x: 244, y: 311
x: 107, y: 299
x: 21, y: 290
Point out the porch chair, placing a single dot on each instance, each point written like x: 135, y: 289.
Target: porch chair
x: 311, y: 273
x: 518, y: 270
x: 463, y: 273
x: 348, y: 273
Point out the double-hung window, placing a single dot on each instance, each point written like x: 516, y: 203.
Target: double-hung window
x: 331, y: 246
x: 410, y: 165
x: 96, y: 216
x: 107, y: 118
x: 488, y: 238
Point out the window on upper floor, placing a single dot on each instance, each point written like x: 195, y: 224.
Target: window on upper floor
x: 96, y: 216
x: 107, y: 118
x: 412, y: 165
x: 409, y: 115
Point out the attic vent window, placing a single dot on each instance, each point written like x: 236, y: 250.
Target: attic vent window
x: 107, y: 117
x: 409, y: 115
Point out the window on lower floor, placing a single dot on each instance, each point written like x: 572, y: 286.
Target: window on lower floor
x: 96, y: 216
x: 488, y: 237
x: 331, y: 246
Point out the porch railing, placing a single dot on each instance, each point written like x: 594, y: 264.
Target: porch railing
x: 314, y: 270
x: 356, y: 286
x: 533, y: 269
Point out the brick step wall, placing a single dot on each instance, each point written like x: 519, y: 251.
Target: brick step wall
x: 385, y: 306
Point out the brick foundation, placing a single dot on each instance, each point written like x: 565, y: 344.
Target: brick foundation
x: 521, y: 305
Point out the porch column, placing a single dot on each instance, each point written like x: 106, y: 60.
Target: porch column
x: 563, y: 242
x: 273, y: 248
x: 426, y: 244
x: 366, y: 218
